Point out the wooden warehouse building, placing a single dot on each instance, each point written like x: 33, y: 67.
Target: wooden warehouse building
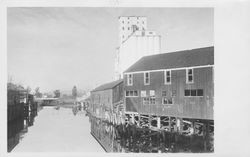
x: 170, y: 88
x: 107, y: 102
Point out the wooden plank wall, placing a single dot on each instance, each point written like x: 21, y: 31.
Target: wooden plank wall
x: 186, y: 107
x: 118, y: 93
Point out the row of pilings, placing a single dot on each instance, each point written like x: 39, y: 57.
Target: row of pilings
x: 140, y: 134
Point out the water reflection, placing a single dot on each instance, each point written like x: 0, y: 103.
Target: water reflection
x: 132, y: 139
x: 18, y: 127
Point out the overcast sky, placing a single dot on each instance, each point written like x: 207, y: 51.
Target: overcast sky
x: 57, y: 48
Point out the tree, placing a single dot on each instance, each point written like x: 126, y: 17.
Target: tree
x: 37, y: 93
x: 57, y: 94
x: 74, y: 92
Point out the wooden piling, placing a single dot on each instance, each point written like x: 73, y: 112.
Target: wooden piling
x: 158, y: 122
x: 133, y: 118
x: 139, y: 120
x: 169, y: 124
x: 149, y: 121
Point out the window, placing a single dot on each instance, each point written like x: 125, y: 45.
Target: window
x: 148, y: 100
x: 145, y: 101
x: 193, y: 92
x: 190, y: 76
x: 187, y: 92
x: 152, y: 100
x: 167, y: 101
x: 146, y: 78
x: 135, y: 93
x: 164, y: 100
x: 164, y: 93
x: 199, y: 92
x: 152, y: 93
x: 167, y: 77
x: 130, y: 80
x: 143, y: 93
x: 132, y: 93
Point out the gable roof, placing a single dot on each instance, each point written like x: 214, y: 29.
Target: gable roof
x: 179, y: 59
x: 106, y: 86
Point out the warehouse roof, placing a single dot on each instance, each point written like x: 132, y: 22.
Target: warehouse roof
x: 109, y: 85
x: 179, y: 59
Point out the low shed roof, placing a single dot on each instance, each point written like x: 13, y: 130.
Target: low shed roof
x: 179, y: 59
x: 106, y: 86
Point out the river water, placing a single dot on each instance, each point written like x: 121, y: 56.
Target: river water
x: 58, y: 130
x: 70, y: 130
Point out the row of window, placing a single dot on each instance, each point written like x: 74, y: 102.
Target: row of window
x: 167, y: 77
x: 132, y: 93
x: 137, y: 22
x: 193, y: 92
x: 152, y: 101
x: 133, y: 27
x: 187, y: 92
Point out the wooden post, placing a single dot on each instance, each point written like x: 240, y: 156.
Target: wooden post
x: 204, y: 130
x: 158, y: 122
x: 139, y: 120
x: 133, y: 118
x: 149, y: 121
x: 193, y: 125
x: 169, y: 123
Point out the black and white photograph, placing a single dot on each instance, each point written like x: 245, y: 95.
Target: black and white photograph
x: 115, y: 79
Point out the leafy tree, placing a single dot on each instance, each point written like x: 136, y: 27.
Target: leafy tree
x: 37, y: 92
x: 74, y: 92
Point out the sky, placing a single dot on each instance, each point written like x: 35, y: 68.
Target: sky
x: 57, y: 48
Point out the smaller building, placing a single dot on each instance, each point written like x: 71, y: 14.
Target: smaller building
x: 107, y: 101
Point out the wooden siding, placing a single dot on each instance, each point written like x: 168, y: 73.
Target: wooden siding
x: 118, y: 93
x: 186, y: 107
x: 101, y: 101
x: 104, y: 100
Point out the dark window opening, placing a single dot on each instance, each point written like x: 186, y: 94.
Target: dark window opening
x: 127, y: 93
x: 164, y: 93
x: 170, y: 101
x: 166, y: 100
x: 193, y: 92
x: 168, y: 79
x: 199, y: 92
x: 136, y: 93
x: 187, y: 92
x: 190, y: 78
x: 190, y: 71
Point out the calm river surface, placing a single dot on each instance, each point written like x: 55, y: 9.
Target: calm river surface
x: 58, y: 131
x: 67, y: 130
